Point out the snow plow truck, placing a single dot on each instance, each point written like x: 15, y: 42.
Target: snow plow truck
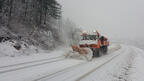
x: 91, y: 45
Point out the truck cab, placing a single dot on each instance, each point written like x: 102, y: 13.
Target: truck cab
x: 95, y: 42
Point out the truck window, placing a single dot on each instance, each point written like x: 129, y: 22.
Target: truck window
x: 89, y: 37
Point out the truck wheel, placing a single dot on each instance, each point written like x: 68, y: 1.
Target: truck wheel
x: 96, y: 53
x: 105, y: 49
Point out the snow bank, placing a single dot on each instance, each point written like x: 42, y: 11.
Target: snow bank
x: 136, y: 71
x: 7, y: 49
x: 5, y: 61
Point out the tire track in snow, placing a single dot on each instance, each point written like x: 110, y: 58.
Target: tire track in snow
x: 137, y: 72
x: 117, y: 72
x: 125, y: 68
x: 73, y: 67
x: 28, y: 65
x: 20, y: 66
x: 91, y: 71
x: 61, y: 71
x: 29, y: 62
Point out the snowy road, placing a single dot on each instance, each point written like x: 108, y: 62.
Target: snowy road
x: 117, y: 65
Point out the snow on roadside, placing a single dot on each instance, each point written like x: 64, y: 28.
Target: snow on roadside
x: 7, y: 49
x: 137, y: 70
x: 4, y: 61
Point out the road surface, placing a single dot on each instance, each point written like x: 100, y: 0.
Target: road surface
x: 122, y: 63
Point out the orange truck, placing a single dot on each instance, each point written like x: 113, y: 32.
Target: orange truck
x: 94, y: 41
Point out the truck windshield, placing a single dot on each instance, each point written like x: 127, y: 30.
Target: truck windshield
x: 89, y: 37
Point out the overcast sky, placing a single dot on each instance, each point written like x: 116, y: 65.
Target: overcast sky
x: 114, y: 18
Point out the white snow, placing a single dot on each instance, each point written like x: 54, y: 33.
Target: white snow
x: 137, y: 69
x: 4, y: 61
x: 122, y: 63
x: 7, y: 49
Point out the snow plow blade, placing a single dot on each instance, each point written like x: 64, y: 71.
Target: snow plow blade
x: 82, y: 53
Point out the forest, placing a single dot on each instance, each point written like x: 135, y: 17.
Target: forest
x: 36, y: 22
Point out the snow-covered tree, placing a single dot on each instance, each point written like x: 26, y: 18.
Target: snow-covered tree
x: 27, y: 18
